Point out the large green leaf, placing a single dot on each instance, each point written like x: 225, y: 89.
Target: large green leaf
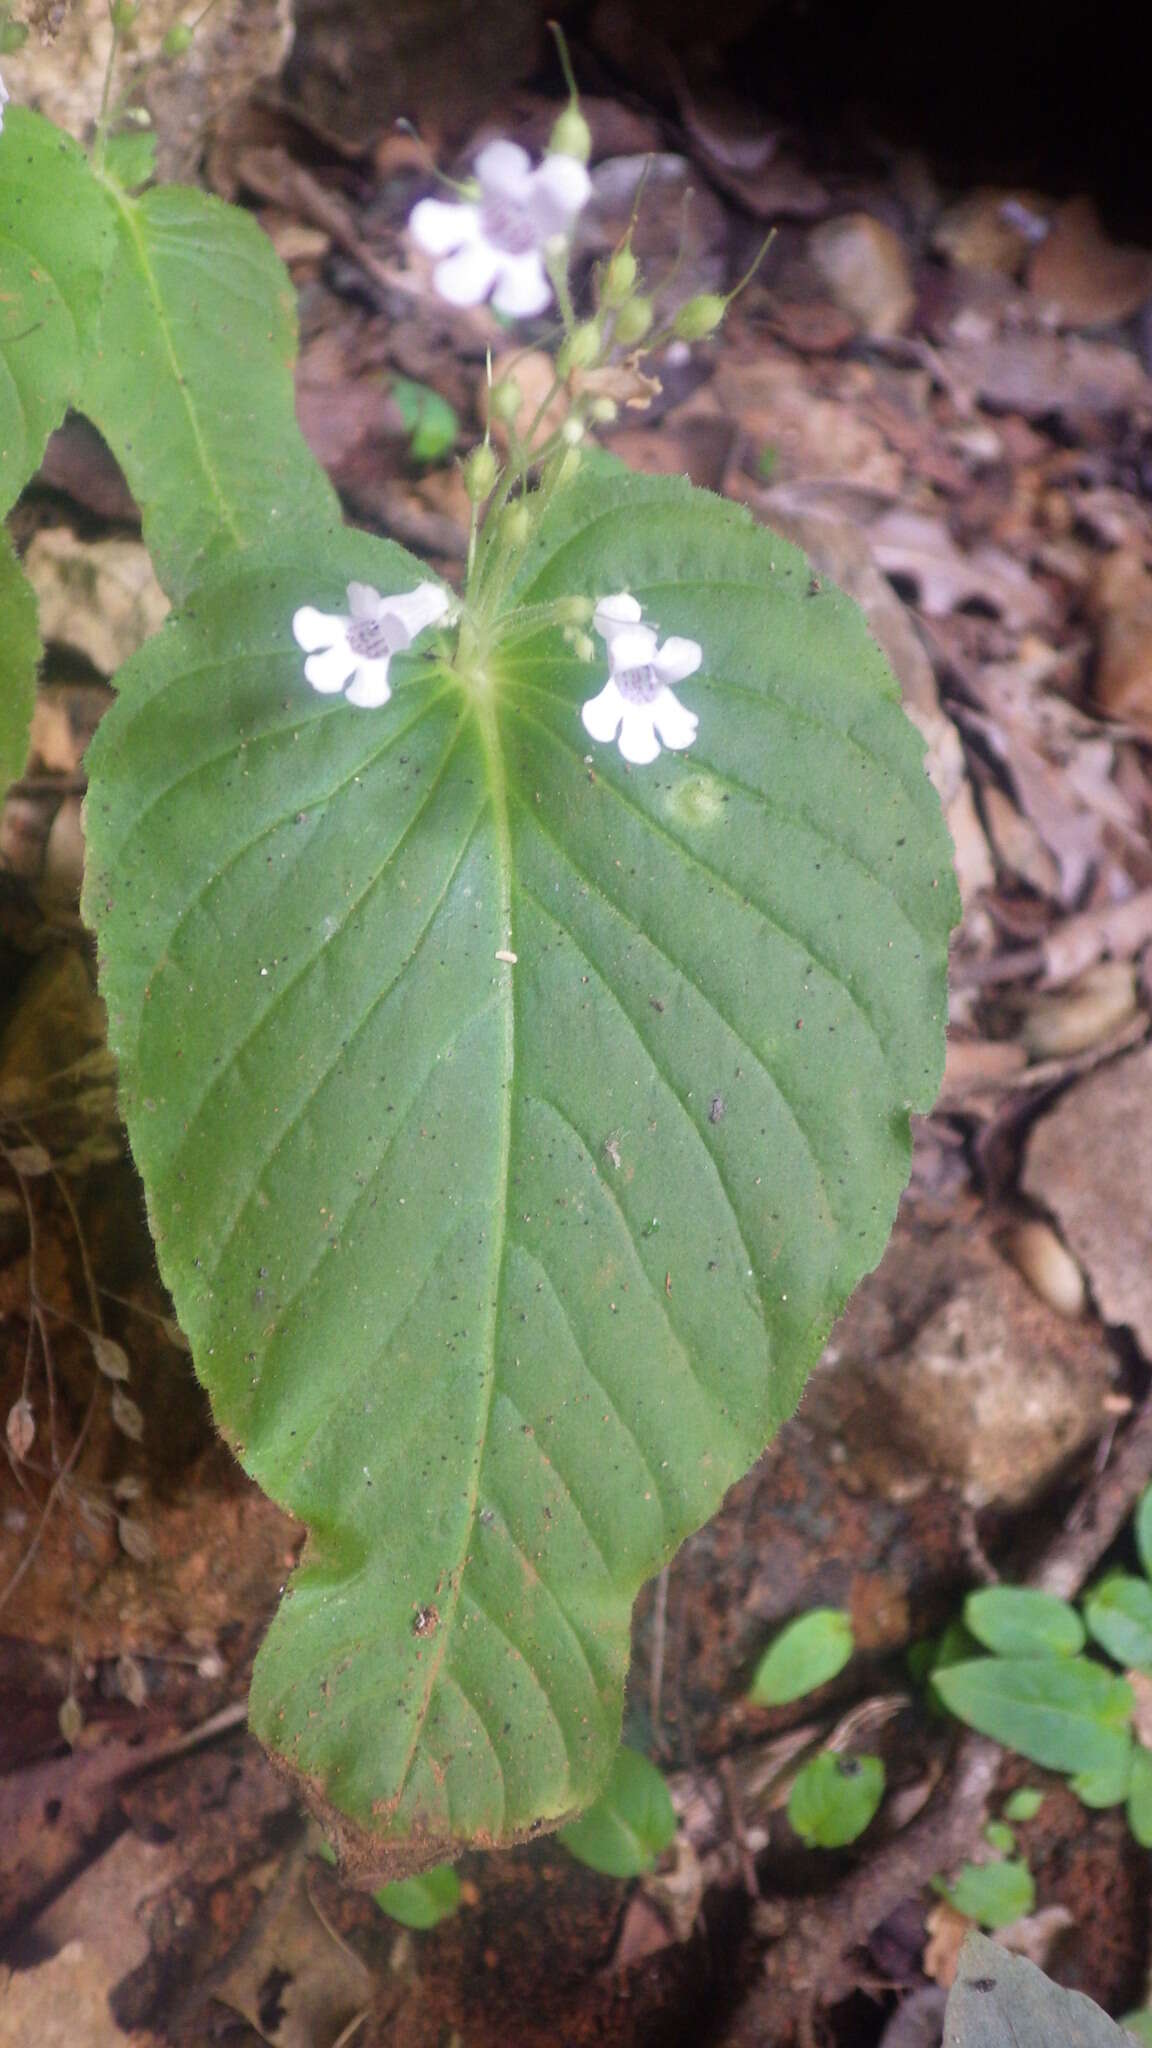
x: 55, y: 238
x: 192, y: 383
x: 500, y: 1273
x: 19, y: 658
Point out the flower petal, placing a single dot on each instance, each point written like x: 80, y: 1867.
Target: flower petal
x: 468, y: 277
x: 438, y: 226
x: 601, y: 715
x: 673, y: 721
x: 638, y: 741
x: 363, y: 601
x: 631, y: 647
x: 523, y: 289
x: 328, y: 672
x: 312, y: 629
x: 621, y: 610
x: 505, y: 169
x: 677, y: 659
x: 562, y: 182
x: 417, y: 608
x: 370, y: 687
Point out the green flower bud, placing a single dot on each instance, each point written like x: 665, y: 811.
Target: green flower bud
x: 571, y: 135
x: 123, y: 13
x: 619, y: 280
x: 583, y: 648
x: 177, y: 40
x: 569, y: 466
x: 604, y: 411
x: 506, y: 400
x: 699, y: 317
x: 633, y: 321
x: 577, y: 610
x: 516, y: 525
x: 480, y: 473
x: 581, y: 348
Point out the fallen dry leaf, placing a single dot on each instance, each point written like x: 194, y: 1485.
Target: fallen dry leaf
x: 99, y: 597
x: 918, y: 546
x: 1084, y: 1014
x: 865, y: 266
x: 1045, y: 373
x: 991, y: 230
x: 1119, y: 930
x: 948, y: 1930
x: 1121, y: 601
x: 1083, y: 276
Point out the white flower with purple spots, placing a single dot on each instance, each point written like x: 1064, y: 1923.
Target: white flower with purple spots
x: 494, y: 246
x: 351, y: 650
x: 637, y: 706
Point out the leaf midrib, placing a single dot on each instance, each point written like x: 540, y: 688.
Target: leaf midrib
x: 493, y: 755
x: 128, y: 212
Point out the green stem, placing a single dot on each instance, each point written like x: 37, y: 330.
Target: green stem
x: 100, y: 139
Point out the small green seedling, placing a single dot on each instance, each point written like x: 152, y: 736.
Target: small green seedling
x: 630, y: 1825
x: 805, y: 1655
x: 422, y: 1902
x: 834, y: 1798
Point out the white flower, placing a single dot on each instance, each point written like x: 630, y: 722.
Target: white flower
x: 499, y: 239
x: 5, y: 96
x: 637, y: 702
x: 351, y: 650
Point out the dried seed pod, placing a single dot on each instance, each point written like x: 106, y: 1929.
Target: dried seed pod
x: 127, y: 1416
x: 21, y: 1428
x: 111, y: 1358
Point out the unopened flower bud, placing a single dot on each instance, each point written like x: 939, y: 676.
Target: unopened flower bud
x: 505, y: 400
x: 633, y: 321
x: 571, y: 135
x: 619, y: 280
x: 480, y: 472
x: 123, y: 13
x: 603, y: 411
x: 583, y: 647
x: 576, y: 610
x: 581, y: 348
x: 700, y: 317
x: 516, y: 525
x: 569, y: 466
x: 178, y: 40
x: 572, y: 432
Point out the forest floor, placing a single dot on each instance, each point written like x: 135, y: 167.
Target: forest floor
x: 944, y: 395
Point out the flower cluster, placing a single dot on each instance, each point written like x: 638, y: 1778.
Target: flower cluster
x: 637, y: 707
x: 507, y: 240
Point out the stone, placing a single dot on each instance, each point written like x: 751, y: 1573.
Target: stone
x: 947, y: 1367
x: 1090, y: 1163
